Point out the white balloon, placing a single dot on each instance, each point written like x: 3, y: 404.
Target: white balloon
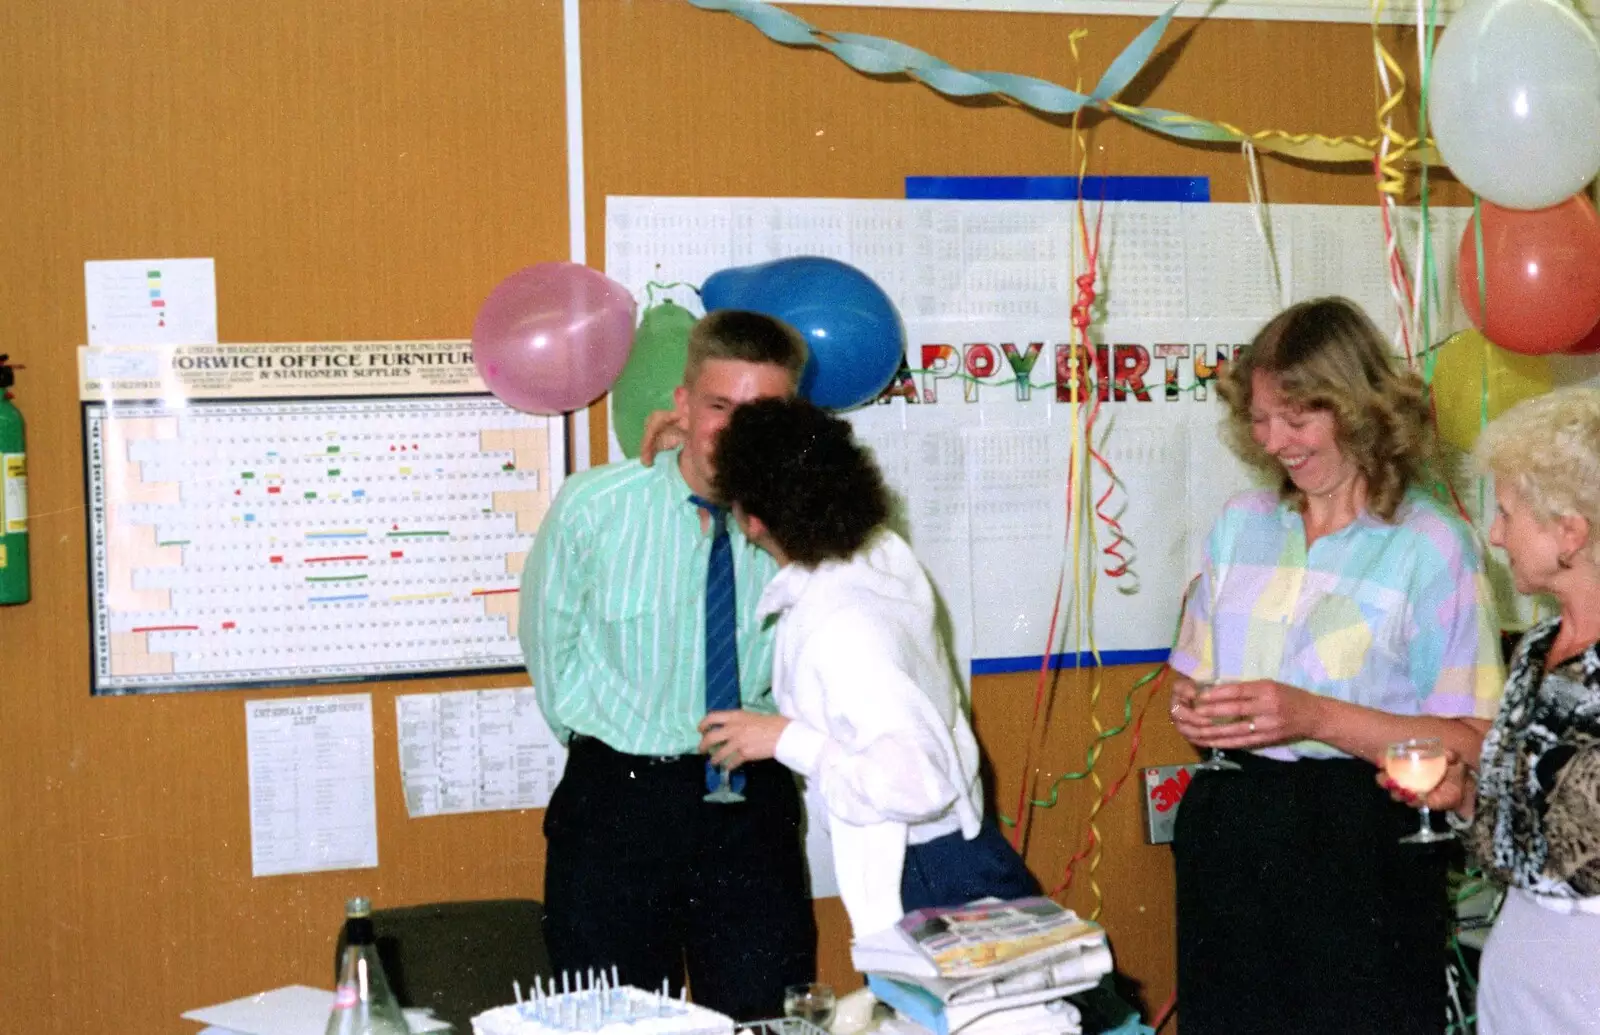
x: 1514, y: 101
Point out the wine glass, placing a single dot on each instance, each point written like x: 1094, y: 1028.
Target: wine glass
x: 1418, y: 765
x: 1216, y: 762
x: 723, y: 793
x: 812, y: 1003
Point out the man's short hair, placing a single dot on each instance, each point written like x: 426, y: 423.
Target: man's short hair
x: 800, y: 470
x: 746, y: 337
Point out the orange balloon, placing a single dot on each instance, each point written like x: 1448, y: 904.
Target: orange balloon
x: 1543, y: 275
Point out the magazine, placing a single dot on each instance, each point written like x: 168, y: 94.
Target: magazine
x: 971, y: 940
x: 947, y: 968
x: 947, y: 1005
x: 924, y: 1008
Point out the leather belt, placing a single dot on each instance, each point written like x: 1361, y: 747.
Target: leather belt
x: 585, y: 742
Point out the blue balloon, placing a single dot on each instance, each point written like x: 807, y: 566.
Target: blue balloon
x: 852, y: 329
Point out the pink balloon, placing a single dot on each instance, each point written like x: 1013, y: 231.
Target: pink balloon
x: 553, y: 337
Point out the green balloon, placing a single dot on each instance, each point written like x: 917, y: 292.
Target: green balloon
x: 654, y: 369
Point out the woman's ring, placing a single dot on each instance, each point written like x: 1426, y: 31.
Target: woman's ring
x: 1252, y: 725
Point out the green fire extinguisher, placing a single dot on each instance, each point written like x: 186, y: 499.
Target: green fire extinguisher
x: 13, y: 495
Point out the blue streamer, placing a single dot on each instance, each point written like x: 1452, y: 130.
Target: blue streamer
x: 875, y: 55
x: 881, y: 57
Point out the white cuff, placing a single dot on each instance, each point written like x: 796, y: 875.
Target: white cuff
x: 799, y: 747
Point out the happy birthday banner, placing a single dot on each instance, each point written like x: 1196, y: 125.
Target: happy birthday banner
x: 1110, y: 372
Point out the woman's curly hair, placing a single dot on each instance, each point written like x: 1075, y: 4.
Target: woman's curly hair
x: 1326, y: 355
x: 800, y: 470
x: 1548, y: 447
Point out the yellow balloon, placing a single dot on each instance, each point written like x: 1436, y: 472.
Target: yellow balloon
x: 1467, y: 362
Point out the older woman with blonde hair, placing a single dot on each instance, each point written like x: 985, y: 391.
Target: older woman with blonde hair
x: 1533, y: 796
x: 1341, y: 610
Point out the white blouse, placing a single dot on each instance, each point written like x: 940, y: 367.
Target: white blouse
x: 879, y: 730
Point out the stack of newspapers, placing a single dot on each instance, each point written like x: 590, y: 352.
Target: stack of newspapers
x: 986, y: 967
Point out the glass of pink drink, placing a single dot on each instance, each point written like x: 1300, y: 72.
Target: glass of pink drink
x: 1418, y: 766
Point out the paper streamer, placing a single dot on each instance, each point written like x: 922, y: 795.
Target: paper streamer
x: 875, y: 55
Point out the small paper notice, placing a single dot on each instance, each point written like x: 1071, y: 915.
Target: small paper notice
x: 292, y: 1010
x: 312, y: 804
x: 151, y: 301
x: 476, y: 751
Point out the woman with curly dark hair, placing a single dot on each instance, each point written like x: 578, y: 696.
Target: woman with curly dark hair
x: 1339, y: 611
x: 872, y: 714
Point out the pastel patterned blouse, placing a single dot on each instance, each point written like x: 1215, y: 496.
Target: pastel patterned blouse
x: 1396, y: 616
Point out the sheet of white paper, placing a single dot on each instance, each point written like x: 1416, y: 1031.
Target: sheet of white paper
x: 475, y: 751
x: 979, y: 463
x: 151, y: 301
x: 997, y: 261
x: 312, y: 802
x: 291, y: 1010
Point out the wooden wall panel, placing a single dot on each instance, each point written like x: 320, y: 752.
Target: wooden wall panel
x: 371, y: 169
x: 361, y: 169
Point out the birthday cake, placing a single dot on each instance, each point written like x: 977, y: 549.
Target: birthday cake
x: 600, y: 1007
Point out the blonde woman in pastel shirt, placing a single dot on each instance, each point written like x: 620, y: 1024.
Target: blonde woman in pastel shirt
x: 1343, y: 609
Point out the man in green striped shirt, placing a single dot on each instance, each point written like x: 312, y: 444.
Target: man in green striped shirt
x: 641, y: 872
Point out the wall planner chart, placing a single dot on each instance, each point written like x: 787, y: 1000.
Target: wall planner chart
x: 974, y: 435
x: 240, y: 541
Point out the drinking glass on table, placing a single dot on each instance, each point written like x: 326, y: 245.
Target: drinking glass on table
x: 1418, y: 765
x: 1216, y: 762
x: 813, y: 1003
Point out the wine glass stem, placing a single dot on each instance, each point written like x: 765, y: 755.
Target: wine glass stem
x: 1425, y: 823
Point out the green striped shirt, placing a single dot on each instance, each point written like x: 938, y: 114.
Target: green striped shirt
x: 612, y: 610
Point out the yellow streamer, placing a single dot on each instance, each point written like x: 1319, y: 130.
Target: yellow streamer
x: 1310, y: 147
x: 1040, y: 733
x: 1391, y: 177
x: 1083, y: 521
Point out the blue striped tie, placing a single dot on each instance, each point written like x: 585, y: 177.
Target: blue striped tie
x: 722, y: 633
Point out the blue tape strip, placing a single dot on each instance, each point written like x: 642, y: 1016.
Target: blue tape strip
x: 1081, y: 659
x: 1058, y: 188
